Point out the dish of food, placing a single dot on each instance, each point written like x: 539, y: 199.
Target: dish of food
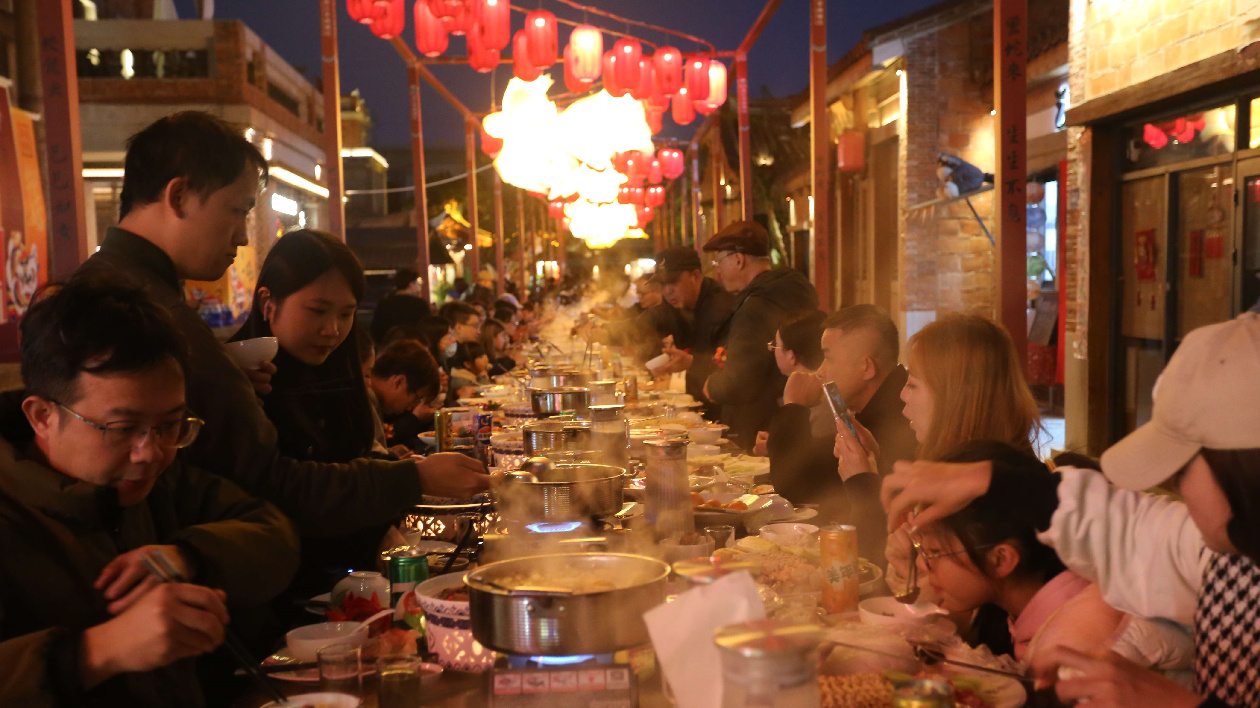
x: 576, y: 582
x: 875, y: 690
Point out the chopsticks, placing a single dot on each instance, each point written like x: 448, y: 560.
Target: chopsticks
x: 160, y: 567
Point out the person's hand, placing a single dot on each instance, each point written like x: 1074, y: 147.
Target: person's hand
x: 260, y: 378
x: 803, y: 387
x: 172, y: 622
x: 760, y: 448
x: 402, y: 452
x: 679, y: 360
x: 444, y: 381
x: 935, y: 489
x: 450, y: 474
x: 125, y: 579
x: 853, y: 456
x: 1104, y: 679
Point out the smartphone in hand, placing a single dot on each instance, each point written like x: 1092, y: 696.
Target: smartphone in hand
x: 838, y: 407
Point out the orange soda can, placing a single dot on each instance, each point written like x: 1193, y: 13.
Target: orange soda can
x: 838, y: 550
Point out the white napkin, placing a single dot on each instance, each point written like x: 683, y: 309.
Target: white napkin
x: 682, y: 635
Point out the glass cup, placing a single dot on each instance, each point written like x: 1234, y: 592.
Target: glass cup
x: 399, y: 679
x: 721, y: 535
x: 340, y: 669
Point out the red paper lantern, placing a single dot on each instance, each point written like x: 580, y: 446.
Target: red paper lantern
x: 623, y: 194
x: 391, y: 20
x: 654, y: 172
x: 654, y: 119
x: 490, y: 145
x: 636, y: 194
x: 672, y: 165
x: 480, y: 58
x: 611, y: 85
x: 697, y: 78
x: 657, y: 102
x: 459, y: 23
x: 544, y: 43
x: 633, y: 164
x: 555, y: 209
x: 717, y: 87
x: 522, y: 67
x: 644, y: 215
x: 668, y: 63
x: 431, y: 37
x: 619, y: 161
x: 683, y: 111
x: 446, y: 8
x: 571, y: 82
x: 628, y: 53
x: 585, y: 52
x: 364, y: 11
x: 654, y: 196
x: 495, y: 18
x: 646, y: 88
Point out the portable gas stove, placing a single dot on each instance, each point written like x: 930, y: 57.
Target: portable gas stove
x: 583, y: 681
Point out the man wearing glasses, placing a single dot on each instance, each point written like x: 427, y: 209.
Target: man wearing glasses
x: 90, y: 485
x: 748, y: 383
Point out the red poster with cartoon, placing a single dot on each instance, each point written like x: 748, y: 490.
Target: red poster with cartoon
x: 1144, y: 255
x: 26, y: 252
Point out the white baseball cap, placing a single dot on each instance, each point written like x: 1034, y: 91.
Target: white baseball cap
x: 1207, y: 397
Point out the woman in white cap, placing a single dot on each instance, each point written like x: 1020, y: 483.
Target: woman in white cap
x: 1193, y: 563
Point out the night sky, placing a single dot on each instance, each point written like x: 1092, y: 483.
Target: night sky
x: 778, y: 63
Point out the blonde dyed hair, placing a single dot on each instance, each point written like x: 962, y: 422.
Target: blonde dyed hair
x: 977, y: 383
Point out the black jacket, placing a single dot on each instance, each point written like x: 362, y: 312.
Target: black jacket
x: 238, y: 441
x: 882, y: 416
x: 749, y: 383
x: 707, y: 324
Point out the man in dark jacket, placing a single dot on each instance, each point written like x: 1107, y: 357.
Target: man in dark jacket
x: 90, y: 484
x: 747, y: 382
x: 707, y: 308
x: 190, y: 181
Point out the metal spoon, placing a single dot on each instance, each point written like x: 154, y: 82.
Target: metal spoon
x: 911, y: 593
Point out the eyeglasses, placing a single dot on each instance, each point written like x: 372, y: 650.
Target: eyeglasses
x: 173, y: 433
x: 719, y: 259
x: 771, y: 346
x: 929, y: 557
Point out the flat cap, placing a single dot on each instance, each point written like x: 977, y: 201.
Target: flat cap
x: 747, y: 237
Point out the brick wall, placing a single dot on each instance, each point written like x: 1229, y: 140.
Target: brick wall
x: 948, y: 262
x: 1126, y: 42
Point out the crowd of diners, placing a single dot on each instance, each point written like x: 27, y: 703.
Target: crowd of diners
x: 1122, y: 581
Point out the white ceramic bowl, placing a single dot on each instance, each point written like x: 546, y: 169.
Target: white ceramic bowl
x: 706, y: 434
x: 694, y: 450
x: 449, y: 627
x: 305, y: 642
x: 887, y: 611
x: 320, y: 700
x: 250, y: 354
x: 789, y: 534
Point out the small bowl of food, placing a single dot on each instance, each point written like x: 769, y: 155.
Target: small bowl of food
x: 888, y: 611
x: 305, y: 642
x: 707, y: 434
x: 251, y: 354
x: 790, y: 534
x: 318, y: 700
x: 695, y: 450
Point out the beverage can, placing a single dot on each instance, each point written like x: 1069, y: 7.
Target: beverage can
x: 483, y: 428
x: 838, y: 550
x: 407, y: 567
x: 443, y: 429
x: 923, y: 693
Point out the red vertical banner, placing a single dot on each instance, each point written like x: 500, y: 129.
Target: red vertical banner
x: 745, y: 141
x: 820, y: 154
x: 26, y: 252
x: 417, y: 167
x: 332, y: 119
x: 60, y: 79
x: 12, y: 220
x: 1010, y: 57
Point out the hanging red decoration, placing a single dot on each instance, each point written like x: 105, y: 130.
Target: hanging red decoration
x: 364, y: 11
x: 459, y: 23
x: 654, y: 196
x: 623, y: 194
x: 654, y: 119
x: 571, y: 82
x: 446, y: 8
x: 619, y: 161
x: 585, y: 52
x: 490, y: 145
x: 431, y: 37
x: 646, y: 88
x: 628, y: 53
x: 697, y: 78
x: 480, y: 57
x: 654, y: 172
x: 555, y: 209
x: 495, y: 19
x: 644, y: 214
x: 611, y: 85
x: 668, y: 62
x: 633, y: 165
x: 657, y: 101
x: 717, y: 84
x: 391, y: 20
x: 683, y: 111
x: 522, y: 67
x: 636, y: 194
x: 544, y: 42
x: 671, y: 159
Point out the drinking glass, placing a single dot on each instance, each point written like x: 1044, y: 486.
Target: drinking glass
x: 399, y: 680
x: 721, y: 535
x: 340, y: 666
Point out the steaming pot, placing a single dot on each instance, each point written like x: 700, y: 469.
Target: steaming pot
x: 563, y: 493
x: 552, y: 401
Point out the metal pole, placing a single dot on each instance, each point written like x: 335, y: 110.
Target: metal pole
x: 745, y: 143
x: 695, y: 197
x: 820, y: 153
x: 470, y: 163
x: 1010, y: 35
x: 332, y: 118
x: 67, y: 225
x: 521, y: 246
x: 418, y: 177
x: 719, y: 189
x: 498, y: 232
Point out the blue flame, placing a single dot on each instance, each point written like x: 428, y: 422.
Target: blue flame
x: 554, y: 526
x: 561, y: 660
